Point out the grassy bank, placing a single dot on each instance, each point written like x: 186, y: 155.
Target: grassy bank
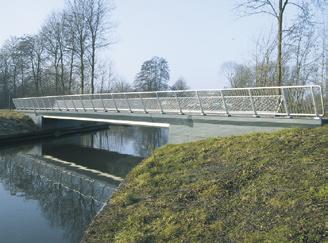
x: 12, y: 122
x: 268, y: 186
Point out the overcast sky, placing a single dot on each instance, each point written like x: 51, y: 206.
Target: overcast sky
x: 195, y: 36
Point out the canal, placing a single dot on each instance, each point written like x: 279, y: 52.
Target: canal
x: 51, y: 190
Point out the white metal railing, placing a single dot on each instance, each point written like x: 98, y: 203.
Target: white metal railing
x: 290, y: 101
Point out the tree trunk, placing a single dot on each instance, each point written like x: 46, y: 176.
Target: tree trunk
x: 93, y: 64
x: 82, y: 72
x: 62, y: 70
x: 71, y: 73
x: 22, y: 80
x: 280, y: 25
x: 14, y: 80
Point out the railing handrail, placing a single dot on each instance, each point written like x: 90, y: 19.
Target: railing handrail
x: 174, y: 91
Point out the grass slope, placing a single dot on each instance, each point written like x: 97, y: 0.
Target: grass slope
x: 270, y: 187
x: 12, y: 122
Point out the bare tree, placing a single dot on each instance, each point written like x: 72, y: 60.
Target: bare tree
x: 12, y: 45
x: 238, y: 75
x: 4, y: 76
x: 70, y: 46
x: 265, y: 65
x: 36, y: 56
x: 323, y: 53
x: 97, y: 14
x: 53, y: 42
x: 77, y: 16
x: 107, y: 78
x: 277, y: 9
x: 91, y: 28
x: 301, y: 51
x: 23, y: 63
x: 65, y: 50
x: 180, y: 84
x: 121, y: 85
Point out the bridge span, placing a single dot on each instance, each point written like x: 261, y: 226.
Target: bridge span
x: 189, y: 114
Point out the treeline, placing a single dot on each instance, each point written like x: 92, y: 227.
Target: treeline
x: 294, y: 53
x: 62, y: 58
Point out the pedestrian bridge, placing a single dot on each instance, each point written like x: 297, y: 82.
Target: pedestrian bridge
x: 189, y: 114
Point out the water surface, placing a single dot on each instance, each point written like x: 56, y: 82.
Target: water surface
x: 50, y: 191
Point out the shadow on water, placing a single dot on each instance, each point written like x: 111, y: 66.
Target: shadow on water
x: 51, y: 191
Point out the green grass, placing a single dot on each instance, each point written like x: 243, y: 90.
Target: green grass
x: 265, y: 187
x: 12, y: 122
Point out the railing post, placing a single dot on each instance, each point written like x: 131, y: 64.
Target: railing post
x: 322, y: 101
x: 143, y: 104
x: 314, y: 103
x: 27, y: 105
x: 159, y: 103
x: 114, y: 101
x: 91, y: 101
x: 25, y: 108
x: 252, y: 102
x: 57, y: 103
x: 283, y: 91
x: 21, y: 105
x: 34, y: 106
x: 18, y: 104
x: 127, y: 101
x: 103, y: 104
x: 24, y: 105
x: 224, y: 103
x: 178, y: 102
x: 200, y: 103
x: 42, y: 103
x: 74, y: 103
x: 37, y: 107
x: 82, y: 103
x: 50, y: 106
x: 65, y: 103
x: 45, y: 102
x: 37, y: 103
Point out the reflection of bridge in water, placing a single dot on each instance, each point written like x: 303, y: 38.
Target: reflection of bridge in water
x: 59, y: 185
x: 191, y: 114
x: 70, y: 183
x: 110, y: 165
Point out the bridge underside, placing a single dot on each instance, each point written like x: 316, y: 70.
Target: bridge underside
x: 182, y: 128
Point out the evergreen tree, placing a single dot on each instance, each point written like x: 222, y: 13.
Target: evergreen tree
x: 154, y: 75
